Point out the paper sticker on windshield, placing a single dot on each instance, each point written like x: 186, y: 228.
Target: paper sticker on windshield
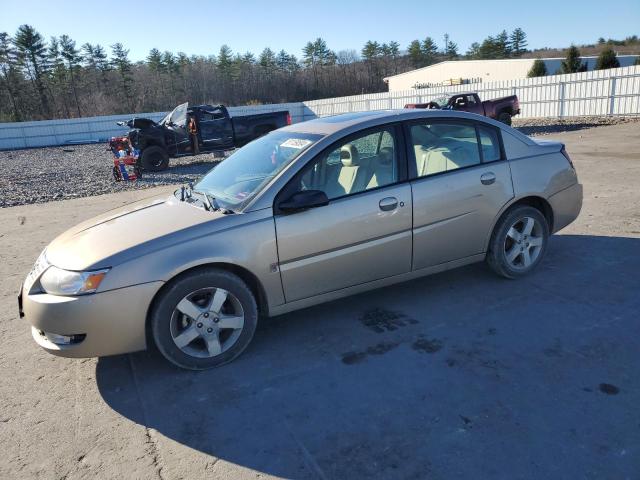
x: 296, y: 143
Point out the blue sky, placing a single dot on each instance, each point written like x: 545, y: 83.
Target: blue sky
x: 251, y: 25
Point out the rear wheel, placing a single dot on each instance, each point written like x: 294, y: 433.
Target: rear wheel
x: 154, y: 158
x: 204, y: 319
x: 519, y: 242
x: 505, y: 117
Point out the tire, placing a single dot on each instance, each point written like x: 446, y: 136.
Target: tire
x: 154, y: 158
x: 512, y: 253
x: 505, y: 117
x: 183, y: 339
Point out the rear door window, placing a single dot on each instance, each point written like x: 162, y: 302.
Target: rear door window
x: 444, y: 146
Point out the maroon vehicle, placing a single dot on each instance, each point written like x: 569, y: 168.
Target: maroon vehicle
x: 501, y: 109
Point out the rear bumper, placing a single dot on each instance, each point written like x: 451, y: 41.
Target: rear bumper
x: 106, y: 323
x: 566, y: 205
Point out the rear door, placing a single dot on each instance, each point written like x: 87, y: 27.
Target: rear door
x: 216, y: 130
x: 364, y: 233
x: 461, y: 181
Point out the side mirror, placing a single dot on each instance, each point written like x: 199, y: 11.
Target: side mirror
x: 303, y: 200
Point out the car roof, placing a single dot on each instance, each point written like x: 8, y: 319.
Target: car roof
x: 351, y: 121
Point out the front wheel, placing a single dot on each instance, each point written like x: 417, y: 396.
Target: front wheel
x: 154, y: 158
x: 204, y: 319
x: 519, y: 242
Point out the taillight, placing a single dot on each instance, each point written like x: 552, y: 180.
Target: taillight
x: 288, y: 118
x: 563, y: 151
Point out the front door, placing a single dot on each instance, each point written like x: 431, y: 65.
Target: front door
x: 462, y: 183
x: 364, y: 234
x: 216, y: 131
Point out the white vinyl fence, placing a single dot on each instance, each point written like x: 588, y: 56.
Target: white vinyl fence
x: 600, y: 92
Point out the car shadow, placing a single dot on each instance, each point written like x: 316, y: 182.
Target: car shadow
x: 460, y: 374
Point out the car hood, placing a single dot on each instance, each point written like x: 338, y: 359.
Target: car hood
x: 136, y: 229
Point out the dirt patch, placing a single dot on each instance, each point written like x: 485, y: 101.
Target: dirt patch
x: 381, y: 320
x: 427, y: 345
x: 351, y: 358
x: 609, y: 389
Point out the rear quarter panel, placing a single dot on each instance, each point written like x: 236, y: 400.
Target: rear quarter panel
x: 546, y: 174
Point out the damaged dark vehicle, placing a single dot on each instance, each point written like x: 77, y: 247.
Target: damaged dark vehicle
x: 190, y: 130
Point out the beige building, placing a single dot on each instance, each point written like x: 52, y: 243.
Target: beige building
x: 455, y: 72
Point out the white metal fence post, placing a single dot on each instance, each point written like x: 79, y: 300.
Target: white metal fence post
x: 612, y: 96
x: 561, y: 86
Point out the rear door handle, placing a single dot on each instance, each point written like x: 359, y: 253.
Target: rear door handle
x: 388, y: 203
x: 488, y: 178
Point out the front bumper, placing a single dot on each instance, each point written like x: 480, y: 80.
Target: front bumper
x: 111, y: 322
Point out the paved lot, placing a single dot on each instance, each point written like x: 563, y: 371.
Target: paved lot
x: 459, y: 375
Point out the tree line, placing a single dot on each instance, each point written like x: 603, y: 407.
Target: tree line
x: 58, y: 78
x: 573, y: 64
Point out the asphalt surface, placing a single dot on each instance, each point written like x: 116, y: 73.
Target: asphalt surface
x: 457, y: 375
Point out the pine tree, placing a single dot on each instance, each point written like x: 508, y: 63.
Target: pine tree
x: 430, y: 50
x: 538, y: 69
x: 225, y: 61
x: 71, y: 55
x: 267, y: 61
x: 32, y: 55
x: 95, y: 60
x: 57, y: 78
x: 154, y: 61
x: 123, y: 66
x: 371, y: 50
x: 416, y: 55
x: 8, y: 74
x: 474, y: 50
x: 607, y: 59
x: 502, y: 46
x: 518, y: 42
x: 450, y: 48
x: 488, y: 49
x: 394, y: 54
x: 572, y: 63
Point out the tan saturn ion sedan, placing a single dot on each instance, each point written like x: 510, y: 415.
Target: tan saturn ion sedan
x: 308, y: 213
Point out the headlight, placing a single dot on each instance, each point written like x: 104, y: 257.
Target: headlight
x: 63, y: 282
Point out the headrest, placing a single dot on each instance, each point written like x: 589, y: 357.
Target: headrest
x: 386, y: 155
x: 349, y: 155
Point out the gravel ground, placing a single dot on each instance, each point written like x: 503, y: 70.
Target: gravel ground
x: 41, y: 175
x: 548, y: 126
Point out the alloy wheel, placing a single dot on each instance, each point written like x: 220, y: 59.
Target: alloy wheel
x: 207, y: 322
x: 523, y: 243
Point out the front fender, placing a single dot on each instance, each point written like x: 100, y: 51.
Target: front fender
x: 250, y: 245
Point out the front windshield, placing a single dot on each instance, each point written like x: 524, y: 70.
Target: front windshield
x: 441, y: 100
x: 178, y: 115
x: 249, y: 169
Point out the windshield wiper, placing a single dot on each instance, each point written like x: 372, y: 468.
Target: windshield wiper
x: 209, y: 202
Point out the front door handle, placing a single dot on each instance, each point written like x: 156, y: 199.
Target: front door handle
x: 388, y: 203
x: 488, y: 178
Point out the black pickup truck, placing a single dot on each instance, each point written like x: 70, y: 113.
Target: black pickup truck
x: 214, y: 128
